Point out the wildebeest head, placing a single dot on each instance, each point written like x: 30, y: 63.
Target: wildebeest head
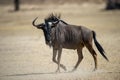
x: 45, y: 29
x: 52, y: 20
x: 49, y: 22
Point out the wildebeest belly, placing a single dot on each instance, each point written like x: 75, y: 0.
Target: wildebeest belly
x: 72, y: 46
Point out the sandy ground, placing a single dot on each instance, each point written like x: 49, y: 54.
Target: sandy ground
x: 25, y: 56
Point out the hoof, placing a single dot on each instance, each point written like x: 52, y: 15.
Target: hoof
x: 57, y: 71
x: 94, y: 69
x: 73, y: 70
x: 65, y: 68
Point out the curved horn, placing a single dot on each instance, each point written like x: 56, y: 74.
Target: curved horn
x: 33, y: 23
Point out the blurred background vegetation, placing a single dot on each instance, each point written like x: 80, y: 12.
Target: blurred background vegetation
x: 3, y: 2
x: 110, y: 4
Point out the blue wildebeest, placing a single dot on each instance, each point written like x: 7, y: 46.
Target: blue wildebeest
x: 59, y: 34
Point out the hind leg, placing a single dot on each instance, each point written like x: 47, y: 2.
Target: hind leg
x: 92, y: 51
x: 80, y: 57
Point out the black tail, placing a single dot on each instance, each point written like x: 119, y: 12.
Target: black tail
x: 99, y: 47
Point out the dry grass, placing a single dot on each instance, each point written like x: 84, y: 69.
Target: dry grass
x: 24, y: 55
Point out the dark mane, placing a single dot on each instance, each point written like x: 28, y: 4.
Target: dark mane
x: 53, y: 17
x: 64, y: 22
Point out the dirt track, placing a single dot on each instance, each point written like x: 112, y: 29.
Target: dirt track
x: 24, y: 55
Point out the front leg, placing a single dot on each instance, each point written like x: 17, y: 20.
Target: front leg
x: 59, y: 58
x: 56, y: 61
